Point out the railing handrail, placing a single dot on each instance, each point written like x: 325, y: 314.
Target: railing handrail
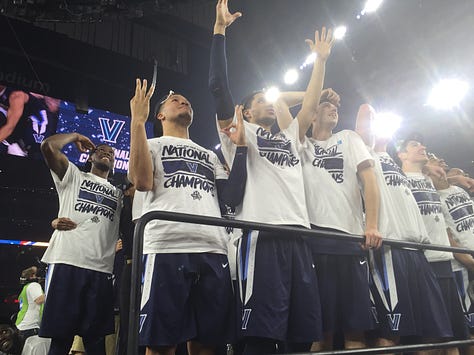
x: 137, y: 264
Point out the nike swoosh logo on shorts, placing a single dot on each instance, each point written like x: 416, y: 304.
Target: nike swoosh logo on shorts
x: 362, y: 262
x: 225, y: 265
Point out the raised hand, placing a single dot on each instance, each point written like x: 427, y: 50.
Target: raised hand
x: 63, y: 224
x: 331, y: 96
x: 322, y: 44
x: 140, y: 103
x: 83, y: 143
x: 223, y: 16
x: 236, y: 131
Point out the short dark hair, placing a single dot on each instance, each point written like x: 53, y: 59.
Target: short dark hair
x: 157, y: 124
x: 247, y: 100
x: 401, y: 144
x: 28, y: 273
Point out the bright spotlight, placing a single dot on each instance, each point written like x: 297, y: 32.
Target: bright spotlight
x: 272, y: 94
x: 291, y: 76
x: 371, y: 6
x: 447, y: 94
x: 385, y: 124
x: 340, y: 32
x: 309, y: 60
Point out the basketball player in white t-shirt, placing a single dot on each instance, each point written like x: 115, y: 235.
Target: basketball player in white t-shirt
x: 79, y: 280
x: 399, y: 275
x: 458, y: 211
x: 187, y: 291
x: 277, y: 283
x: 413, y: 158
x: 335, y: 165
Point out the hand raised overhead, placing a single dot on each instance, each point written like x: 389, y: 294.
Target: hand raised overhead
x: 140, y: 103
x: 83, y: 143
x: 322, y: 44
x: 223, y: 16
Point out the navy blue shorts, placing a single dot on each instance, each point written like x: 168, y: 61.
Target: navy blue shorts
x: 462, y: 282
x: 407, y: 295
x: 444, y: 274
x: 344, y: 291
x: 185, y: 297
x: 78, y: 302
x: 278, y: 288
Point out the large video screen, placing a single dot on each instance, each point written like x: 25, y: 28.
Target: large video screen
x: 27, y: 118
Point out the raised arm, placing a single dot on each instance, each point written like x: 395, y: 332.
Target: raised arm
x: 218, y: 80
x: 322, y: 47
x: 16, y: 103
x: 140, y: 165
x: 231, y: 191
x: 55, y: 158
x: 289, y: 99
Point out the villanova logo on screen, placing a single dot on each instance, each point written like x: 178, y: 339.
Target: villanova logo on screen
x: 110, y: 131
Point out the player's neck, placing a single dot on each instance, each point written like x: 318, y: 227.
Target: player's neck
x: 322, y: 134
x: 176, y: 131
x: 410, y: 167
x: 380, y: 147
x: 104, y: 174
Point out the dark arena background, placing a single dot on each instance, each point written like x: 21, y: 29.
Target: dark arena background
x: 78, y: 60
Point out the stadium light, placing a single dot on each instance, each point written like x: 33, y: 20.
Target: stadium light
x: 291, y: 76
x: 272, y: 94
x: 447, y: 94
x: 385, y: 124
x: 371, y: 6
x: 340, y: 32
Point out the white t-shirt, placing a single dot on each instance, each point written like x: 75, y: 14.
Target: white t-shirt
x: 399, y: 216
x: 332, y: 188
x: 95, y: 205
x: 184, y: 181
x: 458, y: 211
x: 429, y: 205
x: 137, y: 205
x: 32, y: 318
x: 274, y: 192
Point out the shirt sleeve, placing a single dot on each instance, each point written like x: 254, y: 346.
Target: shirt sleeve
x: 292, y: 132
x: 221, y: 173
x: 218, y: 79
x: 228, y: 148
x: 72, y: 173
x: 358, y: 150
x: 33, y: 291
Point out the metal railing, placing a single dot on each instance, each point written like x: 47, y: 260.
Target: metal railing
x: 137, y: 269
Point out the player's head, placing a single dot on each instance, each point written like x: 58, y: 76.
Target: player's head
x: 456, y: 172
x: 326, y: 115
x: 412, y: 151
x: 29, y: 273
x: 174, y: 109
x: 257, y: 110
x: 437, y: 161
x: 102, y: 157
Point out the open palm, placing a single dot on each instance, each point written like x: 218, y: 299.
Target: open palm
x: 322, y: 44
